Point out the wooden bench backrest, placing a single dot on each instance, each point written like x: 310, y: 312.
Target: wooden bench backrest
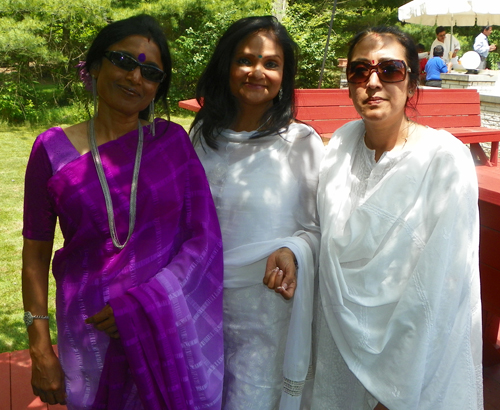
x: 328, y: 109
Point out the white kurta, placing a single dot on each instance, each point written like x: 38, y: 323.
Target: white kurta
x: 455, y: 45
x: 265, y: 194
x: 399, y: 276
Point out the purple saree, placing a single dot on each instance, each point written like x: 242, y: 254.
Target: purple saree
x: 165, y: 286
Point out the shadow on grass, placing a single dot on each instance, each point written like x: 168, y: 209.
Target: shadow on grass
x: 13, y: 335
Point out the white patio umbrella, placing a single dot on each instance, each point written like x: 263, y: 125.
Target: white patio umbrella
x: 450, y: 13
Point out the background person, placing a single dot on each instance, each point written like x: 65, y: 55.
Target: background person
x: 139, y: 278
x: 423, y: 57
x: 482, y: 46
x: 443, y: 40
x: 262, y: 167
x: 400, y: 319
x: 434, y: 67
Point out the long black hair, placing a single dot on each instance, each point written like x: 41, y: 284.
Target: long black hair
x: 142, y: 25
x: 219, y: 106
x: 411, y: 56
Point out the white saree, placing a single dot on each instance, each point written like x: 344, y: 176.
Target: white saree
x: 264, y: 191
x: 399, y: 276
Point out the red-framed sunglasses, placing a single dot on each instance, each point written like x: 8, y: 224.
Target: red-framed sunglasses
x: 390, y: 71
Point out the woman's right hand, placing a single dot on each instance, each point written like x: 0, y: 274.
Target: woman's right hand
x: 47, y: 378
x: 281, y: 272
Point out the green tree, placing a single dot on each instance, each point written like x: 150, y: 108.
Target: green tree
x: 43, y: 40
x: 192, y: 49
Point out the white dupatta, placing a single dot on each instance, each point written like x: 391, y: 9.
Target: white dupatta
x: 399, y: 277
x: 265, y: 194
x: 298, y: 345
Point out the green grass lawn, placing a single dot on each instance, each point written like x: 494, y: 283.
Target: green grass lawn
x: 15, y: 147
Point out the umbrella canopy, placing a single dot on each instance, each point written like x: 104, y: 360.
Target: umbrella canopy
x: 451, y: 12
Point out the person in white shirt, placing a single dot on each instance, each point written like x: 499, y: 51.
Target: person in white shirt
x: 482, y: 46
x: 443, y: 39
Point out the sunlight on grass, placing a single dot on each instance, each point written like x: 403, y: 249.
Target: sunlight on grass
x: 15, y: 147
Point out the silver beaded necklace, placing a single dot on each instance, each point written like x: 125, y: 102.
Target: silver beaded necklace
x: 105, y: 187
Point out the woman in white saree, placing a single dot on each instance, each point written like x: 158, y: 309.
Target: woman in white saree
x: 263, y: 168
x: 400, y: 318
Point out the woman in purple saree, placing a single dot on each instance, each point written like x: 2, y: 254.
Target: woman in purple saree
x: 139, y: 278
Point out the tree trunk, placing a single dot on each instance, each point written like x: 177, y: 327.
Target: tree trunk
x: 279, y: 9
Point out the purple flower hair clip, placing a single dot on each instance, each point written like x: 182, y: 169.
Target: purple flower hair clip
x: 84, y: 75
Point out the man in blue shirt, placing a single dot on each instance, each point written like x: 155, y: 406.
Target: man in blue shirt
x: 435, y: 66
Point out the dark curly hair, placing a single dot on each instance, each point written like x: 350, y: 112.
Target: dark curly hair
x: 219, y: 106
x: 142, y: 25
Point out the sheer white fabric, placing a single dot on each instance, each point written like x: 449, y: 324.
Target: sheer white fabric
x: 335, y: 386
x: 265, y: 193
x: 399, y: 277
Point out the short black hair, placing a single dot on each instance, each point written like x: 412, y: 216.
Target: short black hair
x: 439, y: 29
x: 219, y: 106
x: 438, y: 51
x: 142, y: 25
x: 485, y: 28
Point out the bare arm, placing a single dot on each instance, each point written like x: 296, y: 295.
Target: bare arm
x: 47, y: 378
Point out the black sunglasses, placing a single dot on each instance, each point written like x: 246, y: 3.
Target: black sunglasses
x: 390, y: 71
x: 128, y: 63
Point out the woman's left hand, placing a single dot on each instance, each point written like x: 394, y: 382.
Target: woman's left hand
x: 105, y: 322
x: 281, y: 272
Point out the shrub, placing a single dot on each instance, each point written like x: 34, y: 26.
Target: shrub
x: 17, y: 102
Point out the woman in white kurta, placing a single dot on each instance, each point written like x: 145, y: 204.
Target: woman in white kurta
x: 400, y: 317
x: 263, y: 172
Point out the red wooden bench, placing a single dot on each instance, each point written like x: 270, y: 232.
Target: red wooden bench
x: 457, y: 111
x: 489, y: 261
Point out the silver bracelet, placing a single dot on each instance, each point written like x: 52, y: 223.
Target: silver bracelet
x: 28, y: 318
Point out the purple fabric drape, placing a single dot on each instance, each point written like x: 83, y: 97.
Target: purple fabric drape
x: 165, y: 286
